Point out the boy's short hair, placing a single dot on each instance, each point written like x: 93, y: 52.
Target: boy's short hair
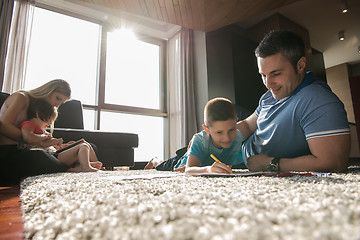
x: 218, y: 109
x: 40, y: 108
x: 282, y: 41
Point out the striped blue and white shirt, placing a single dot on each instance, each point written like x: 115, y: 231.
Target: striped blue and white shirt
x: 285, y: 125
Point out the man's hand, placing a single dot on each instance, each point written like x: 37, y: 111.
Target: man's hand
x: 258, y: 163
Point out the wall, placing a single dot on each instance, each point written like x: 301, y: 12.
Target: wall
x: 220, y: 64
x: 232, y: 68
x: 200, y: 76
x: 354, y: 150
x: 338, y: 80
x: 318, y: 65
x: 355, y: 70
x: 248, y: 83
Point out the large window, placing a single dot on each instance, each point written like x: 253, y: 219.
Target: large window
x: 125, y: 83
x: 64, y: 47
x: 117, y: 75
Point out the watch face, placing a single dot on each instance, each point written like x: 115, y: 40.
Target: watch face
x: 273, y: 167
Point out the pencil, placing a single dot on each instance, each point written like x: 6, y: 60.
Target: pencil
x: 217, y: 160
x: 213, y: 157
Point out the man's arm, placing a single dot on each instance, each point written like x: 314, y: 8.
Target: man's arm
x: 247, y: 126
x: 329, y: 154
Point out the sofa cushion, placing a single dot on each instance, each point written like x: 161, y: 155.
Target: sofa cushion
x: 100, y: 138
x: 70, y: 115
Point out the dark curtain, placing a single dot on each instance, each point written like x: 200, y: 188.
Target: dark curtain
x: 6, y: 9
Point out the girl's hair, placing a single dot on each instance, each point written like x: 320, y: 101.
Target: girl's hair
x: 40, y: 108
x: 57, y: 85
x: 218, y: 109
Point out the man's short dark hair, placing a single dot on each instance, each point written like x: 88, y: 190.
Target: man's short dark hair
x: 288, y: 43
x: 218, y: 109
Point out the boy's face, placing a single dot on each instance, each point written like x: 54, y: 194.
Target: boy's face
x: 223, y: 133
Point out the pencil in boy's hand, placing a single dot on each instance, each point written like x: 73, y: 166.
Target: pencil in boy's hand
x: 217, y: 160
x: 213, y: 157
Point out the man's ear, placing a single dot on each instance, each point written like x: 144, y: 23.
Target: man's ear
x: 206, y: 129
x: 301, y: 64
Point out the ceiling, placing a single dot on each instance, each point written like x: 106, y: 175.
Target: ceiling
x: 322, y: 18
x: 202, y: 15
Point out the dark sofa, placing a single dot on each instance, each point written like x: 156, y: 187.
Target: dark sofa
x: 112, y: 148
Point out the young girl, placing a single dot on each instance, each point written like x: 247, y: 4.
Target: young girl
x: 41, y: 115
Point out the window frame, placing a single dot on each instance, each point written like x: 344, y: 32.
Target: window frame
x: 100, y: 104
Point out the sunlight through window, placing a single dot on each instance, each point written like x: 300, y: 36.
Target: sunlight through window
x: 132, y: 71
x: 67, y: 47
x: 64, y: 47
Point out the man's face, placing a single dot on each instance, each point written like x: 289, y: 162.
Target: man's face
x: 279, y: 75
x: 223, y: 133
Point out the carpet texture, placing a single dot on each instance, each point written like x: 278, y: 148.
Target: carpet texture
x: 117, y: 205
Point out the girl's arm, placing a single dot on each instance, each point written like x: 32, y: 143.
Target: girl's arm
x: 42, y: 140
x: 15, y: 105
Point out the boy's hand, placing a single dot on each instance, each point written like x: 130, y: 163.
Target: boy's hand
x: 219, y: 167
x: 181, y: 168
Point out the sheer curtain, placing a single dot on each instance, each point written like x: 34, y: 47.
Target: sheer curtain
x: 182, y: 115
x: 20, y: 31
x: 6, y: 9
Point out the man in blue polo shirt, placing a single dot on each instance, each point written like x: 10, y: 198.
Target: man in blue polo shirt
x: 299, y: 124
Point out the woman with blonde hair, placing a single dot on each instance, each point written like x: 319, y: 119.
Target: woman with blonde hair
x: 19, y: 163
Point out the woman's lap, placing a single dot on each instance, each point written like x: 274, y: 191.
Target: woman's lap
x: 17, y: 164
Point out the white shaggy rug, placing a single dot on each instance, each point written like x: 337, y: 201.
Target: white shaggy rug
x: 116, y: 205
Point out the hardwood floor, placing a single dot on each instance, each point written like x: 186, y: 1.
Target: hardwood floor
x: 11, y: 223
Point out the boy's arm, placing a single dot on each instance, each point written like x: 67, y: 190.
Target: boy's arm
x: 247, y: 126
x: 193, y: 166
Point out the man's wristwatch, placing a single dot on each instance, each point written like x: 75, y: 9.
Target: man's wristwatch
x: 274, y: 165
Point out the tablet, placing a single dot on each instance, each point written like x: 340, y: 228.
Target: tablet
x: 70, y: 146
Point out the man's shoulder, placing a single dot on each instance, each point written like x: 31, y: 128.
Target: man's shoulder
x: 318, y: 91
